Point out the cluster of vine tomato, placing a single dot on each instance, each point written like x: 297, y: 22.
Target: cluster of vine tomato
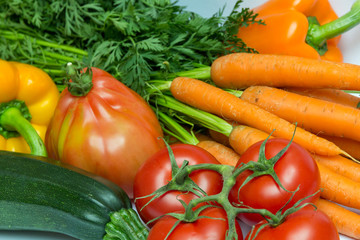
x: 299, y: 182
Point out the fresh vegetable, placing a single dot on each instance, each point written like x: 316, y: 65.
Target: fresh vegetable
x: 129, y: 39
x: 158, y: 170
x: 28, y: 97
x: 42, y: 194
x: 215, y: 100
x: 295, y: 169
x: 341, y: 165
x: 241, y: 70
x: 346, y: 221
x: 305, y: 224
x: 313, y: 115
x: 328, y: 94
x: 338, y: 188
x: 242, y: 137
x: 352, y: 147
x: 102, y: 126
x: 223, y: 154
x: 212, y: 224
x: 193, y: 209
x: 305, y: 28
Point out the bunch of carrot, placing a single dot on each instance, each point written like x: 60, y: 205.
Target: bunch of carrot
x: 277, y: 92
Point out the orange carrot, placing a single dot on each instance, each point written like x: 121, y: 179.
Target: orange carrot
x: 219, y: 137
x: 242, y: 137
x: 219, y: 102
x: 314, y: 115
x: 330, y: 95
x: 352, y: 147
x: 240, y: 70
x: 346, y: 221
x: 341, y: 165
x: 338, y: 188
x: 222, y: 153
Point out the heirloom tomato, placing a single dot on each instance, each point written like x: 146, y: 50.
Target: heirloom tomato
x: 295, y: 168
x: 212, y: 225
x: 157, y: 172
x: 110, y: 131
x: 305, y: 224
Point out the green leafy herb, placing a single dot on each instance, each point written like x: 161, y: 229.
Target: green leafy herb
x: 131, y: 39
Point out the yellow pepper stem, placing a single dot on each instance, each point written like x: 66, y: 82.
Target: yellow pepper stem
x: 12, y: 120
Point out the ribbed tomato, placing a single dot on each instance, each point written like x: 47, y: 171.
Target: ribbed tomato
x: 110, y: 131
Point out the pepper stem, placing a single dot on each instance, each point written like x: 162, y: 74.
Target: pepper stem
x: 317, y: 35
x: 13, y: 123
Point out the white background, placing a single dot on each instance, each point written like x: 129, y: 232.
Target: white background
x: 349, y: 44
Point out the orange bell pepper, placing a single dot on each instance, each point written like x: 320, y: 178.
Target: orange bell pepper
x: 28, y: 98
x: 306, y: 28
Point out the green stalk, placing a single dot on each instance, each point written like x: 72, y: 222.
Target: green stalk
x: 205, y: 119
x: 317, y: 35
x: 19, y: 36
x: 174, y: 129
x: 59, y: 56
x: 200, y: 72
x: 12, y: 119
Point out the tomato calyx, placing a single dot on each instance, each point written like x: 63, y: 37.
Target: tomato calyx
x: 79, y: 83
x: 266, y: 166
x: 180, y: 180
x: 280, y: 216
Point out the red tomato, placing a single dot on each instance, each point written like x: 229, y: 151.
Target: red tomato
x: 295, y: 168
x: 156, y: 172
x: 201, y: 229
x: 110, y: 132
x: 305, y: 224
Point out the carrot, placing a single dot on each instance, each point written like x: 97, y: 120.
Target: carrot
x: 338, y: 188
x: 314, y: 115
x: 346, y: 221
x: 240, y: 70
x: 219, y: 102
x: 352, y: 147
x: 219, y: 137
x: 223, y: 154
x: 242, y: 137
x: 341, y: 165
x: 329, y: 94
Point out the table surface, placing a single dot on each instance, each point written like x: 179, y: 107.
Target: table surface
x: 349, y: 44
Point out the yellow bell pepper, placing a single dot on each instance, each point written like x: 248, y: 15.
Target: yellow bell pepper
x: 28, y: 98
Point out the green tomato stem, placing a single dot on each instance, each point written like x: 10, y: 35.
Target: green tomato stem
x: 12, y: 119
x: 318, y: 35
x: 81, y: 82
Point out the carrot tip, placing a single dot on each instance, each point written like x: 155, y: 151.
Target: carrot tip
x: 349, y: 156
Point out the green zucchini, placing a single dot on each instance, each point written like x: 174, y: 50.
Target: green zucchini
x: 38, y: 193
